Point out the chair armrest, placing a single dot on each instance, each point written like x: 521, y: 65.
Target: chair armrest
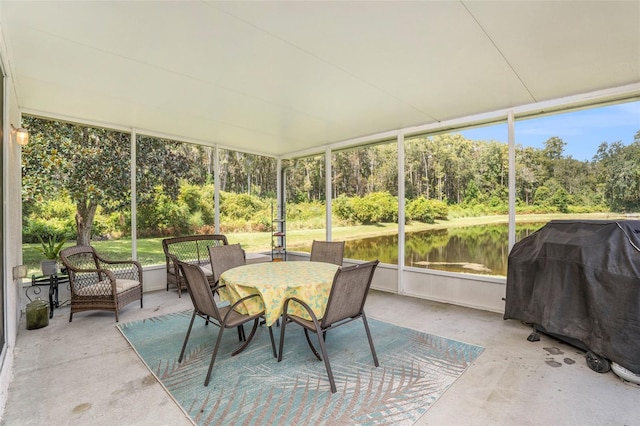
x: 232, y: 307
x: 304, y: 305
x: 172, y: 261
x: 172, y: 266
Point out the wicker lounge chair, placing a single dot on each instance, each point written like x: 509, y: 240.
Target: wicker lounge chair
x: 100, y: 284
x: 327, y: 251
x: 346, y: 303
x: 205, y: 307
x: 190, y: 249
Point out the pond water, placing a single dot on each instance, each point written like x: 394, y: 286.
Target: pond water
x: 481, y: 249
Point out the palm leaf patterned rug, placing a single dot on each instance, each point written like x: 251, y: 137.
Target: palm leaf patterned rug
x: 253, y: 388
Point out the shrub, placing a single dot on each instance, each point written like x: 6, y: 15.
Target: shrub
x: 195, y: 222
x: 427, y: 211
x: 375, y: 207
x: 241, y: 206
x: 342, y: 208
x: 54, y: 227
x: 105, y: 227
x: 161, y: 215
x: 55, y: 218
x: 190, y: 195
x: 305, y: 210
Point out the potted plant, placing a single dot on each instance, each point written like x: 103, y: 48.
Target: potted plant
x: 51, y: 250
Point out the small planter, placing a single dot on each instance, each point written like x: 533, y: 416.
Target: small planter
x: 49, y: 266
x: 51, y: 250
x: 37, y: 314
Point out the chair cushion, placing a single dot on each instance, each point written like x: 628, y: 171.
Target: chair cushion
x: 207, y: 270
x: 124, y: 285
x: 99, y: 288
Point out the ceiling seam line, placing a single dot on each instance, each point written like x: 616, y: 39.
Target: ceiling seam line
x: 462, y: 2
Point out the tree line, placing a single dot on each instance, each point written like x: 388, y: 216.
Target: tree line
x: 463, y: 172
x: 91, y: 168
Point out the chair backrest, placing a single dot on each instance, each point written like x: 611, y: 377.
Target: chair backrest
x: 83, y: 263
x: 327, y: 251
x: 199, y: 290
x: 224, y: 258
x: 191, y: 248
x: 79, y: 257
x: 349, y: 292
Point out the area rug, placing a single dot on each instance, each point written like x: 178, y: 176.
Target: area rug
x: 253, y: 388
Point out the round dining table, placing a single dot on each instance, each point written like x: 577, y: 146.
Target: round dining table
x: 276, y: 281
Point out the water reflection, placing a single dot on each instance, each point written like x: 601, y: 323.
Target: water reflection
x: 481, y: 249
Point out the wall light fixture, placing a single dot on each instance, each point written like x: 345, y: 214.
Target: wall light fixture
x: 22, y: 134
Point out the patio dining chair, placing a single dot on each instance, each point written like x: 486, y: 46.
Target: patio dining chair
x: 327, y: 251
x: 346, y: 303
x: 224, y: 258
x: 204, y: 306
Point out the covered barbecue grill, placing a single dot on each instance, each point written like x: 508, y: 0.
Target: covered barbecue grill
x: 580, y: 281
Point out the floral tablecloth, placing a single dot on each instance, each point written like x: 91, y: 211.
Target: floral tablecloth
x: 277, y: 281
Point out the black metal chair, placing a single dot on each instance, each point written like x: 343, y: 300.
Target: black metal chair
x: 205, y: 307
x: 346, y: 303
x: 327, y: 251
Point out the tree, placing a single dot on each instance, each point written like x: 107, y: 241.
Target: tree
x: 620, y: 170
x: 93, y: 166
x: 553, y: 150
x: 527, y: 172
x: 471, y: 193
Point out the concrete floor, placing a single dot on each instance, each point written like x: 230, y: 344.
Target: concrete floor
x: 85, y: 373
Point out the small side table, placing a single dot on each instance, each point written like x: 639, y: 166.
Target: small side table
x: 53, y: 281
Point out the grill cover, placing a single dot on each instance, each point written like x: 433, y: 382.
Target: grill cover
x: 581, y: 280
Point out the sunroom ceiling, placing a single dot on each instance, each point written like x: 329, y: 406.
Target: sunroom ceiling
x: 282, y: 77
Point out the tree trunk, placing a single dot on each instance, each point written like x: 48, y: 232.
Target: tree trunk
x: 85, y: 212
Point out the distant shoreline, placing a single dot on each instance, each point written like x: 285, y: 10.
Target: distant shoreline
x: 302, y: 238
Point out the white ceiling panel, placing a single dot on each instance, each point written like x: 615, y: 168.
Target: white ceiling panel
x: 560, y: 48
x: 420, y: 44
x: 281, y: 77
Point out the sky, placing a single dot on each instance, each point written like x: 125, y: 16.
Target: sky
x: 583, y: 131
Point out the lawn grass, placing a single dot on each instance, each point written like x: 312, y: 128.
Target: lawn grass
x: 150, y: 252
